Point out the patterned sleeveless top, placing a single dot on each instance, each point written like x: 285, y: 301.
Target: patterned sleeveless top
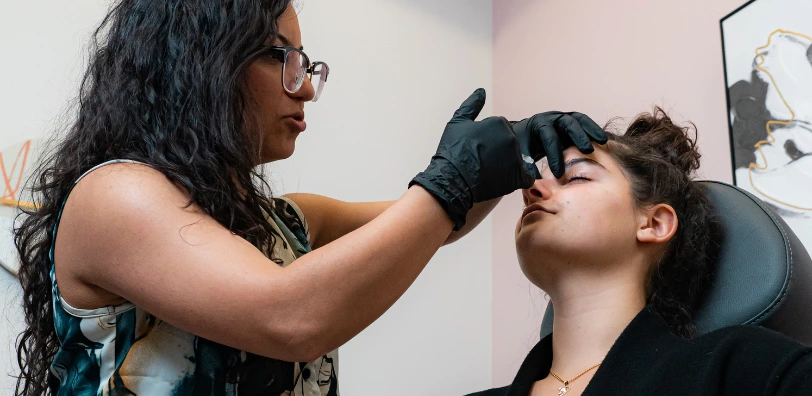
x: 124, y: 350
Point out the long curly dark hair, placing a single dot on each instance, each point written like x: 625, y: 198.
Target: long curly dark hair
x: 164, y: 87
x: 660, y: 159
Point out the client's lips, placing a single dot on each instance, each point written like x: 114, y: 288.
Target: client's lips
x: 533, y: 208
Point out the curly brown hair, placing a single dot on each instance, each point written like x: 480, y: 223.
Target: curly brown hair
x: 660, y: 159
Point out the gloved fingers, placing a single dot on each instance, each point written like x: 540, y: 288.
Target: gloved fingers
x: 529, y: 172
x: 497, y: 124
x: 552, y: 147
x: 505, y: 122
x: 531, y: 169
x: 530, y: 136
x: 528, y: 178
x: 575, y: 132
x: 507, y: 125
x: 592, y: 129
x: 530, y: 147
x: 469, y: 110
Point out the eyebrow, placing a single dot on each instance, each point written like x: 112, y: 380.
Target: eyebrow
x: 575, y: 161
x: 286, y: 42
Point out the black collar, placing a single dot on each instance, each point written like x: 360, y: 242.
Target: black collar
x: 647, y: 328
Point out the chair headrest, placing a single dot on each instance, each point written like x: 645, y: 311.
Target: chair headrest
x: 763, y: 275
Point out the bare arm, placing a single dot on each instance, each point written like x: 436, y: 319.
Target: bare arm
x: 126, y: 231
x: 478, y: 213
x: 330, y: 219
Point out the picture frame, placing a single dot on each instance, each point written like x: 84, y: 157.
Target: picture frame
x: 767, y: 55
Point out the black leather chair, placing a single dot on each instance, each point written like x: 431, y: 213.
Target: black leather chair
x: 764, y: 273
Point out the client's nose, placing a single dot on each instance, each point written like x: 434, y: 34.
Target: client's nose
x: 538, y: 191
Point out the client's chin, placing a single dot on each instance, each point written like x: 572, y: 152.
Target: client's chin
x: 536, y: 262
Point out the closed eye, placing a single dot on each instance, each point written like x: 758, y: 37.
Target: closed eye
x: 571, y: 179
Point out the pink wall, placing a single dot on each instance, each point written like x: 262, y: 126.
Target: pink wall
x: 605, y: 59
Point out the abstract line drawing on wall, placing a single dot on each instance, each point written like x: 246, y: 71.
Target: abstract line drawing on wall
x: 767, y: 47
x: 787, y: 164
x: 16, y: 166
x: 13, y: 176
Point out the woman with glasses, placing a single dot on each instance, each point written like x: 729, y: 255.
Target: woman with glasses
x: 157, y: 264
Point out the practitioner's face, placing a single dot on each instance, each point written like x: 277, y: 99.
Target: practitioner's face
x: 587, y: 213
x: 280, y: 114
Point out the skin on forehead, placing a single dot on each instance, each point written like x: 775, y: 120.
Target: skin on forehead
x: 290, y: 33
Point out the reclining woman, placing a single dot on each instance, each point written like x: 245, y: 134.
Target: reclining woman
x: 624, y: 245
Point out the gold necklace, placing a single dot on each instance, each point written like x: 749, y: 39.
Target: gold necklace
x: 566, y: 388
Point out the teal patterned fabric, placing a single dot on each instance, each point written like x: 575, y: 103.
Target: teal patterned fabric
x: 124, y: 350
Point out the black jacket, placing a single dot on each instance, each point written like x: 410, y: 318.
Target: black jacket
x: 647, y: 359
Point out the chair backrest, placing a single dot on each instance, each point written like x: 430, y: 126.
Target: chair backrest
x: 764, y: 273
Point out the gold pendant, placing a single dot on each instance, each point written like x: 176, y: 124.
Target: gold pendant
x: 563, y: 390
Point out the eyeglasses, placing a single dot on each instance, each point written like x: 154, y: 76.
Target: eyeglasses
x: 296, y: 66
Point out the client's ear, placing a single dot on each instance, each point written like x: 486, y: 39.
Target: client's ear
x: 658, y: 224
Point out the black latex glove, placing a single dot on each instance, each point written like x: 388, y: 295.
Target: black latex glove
x: 476, y: 161
x: 548, y: 134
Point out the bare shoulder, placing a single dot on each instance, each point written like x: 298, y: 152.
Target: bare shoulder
x: 122, y: 186
x: 109, y: 213
x: 122, y: 200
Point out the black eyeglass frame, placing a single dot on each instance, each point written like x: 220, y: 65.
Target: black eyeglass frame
x: 310, y: 70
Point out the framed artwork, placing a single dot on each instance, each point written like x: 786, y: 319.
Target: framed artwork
x: 767, y: 47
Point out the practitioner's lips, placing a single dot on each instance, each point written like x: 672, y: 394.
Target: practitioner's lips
x: 534, y: 208
x: 297, y: 121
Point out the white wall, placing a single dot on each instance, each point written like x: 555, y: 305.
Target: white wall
x: 42, y: 45
x: 399, y: 70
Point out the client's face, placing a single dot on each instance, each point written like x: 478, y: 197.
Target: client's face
x: 584, y: 218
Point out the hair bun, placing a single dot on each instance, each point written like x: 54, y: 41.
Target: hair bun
x: 657, y: 131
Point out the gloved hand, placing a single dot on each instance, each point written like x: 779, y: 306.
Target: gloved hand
x: 548, y: 134
x: 476, y: 161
